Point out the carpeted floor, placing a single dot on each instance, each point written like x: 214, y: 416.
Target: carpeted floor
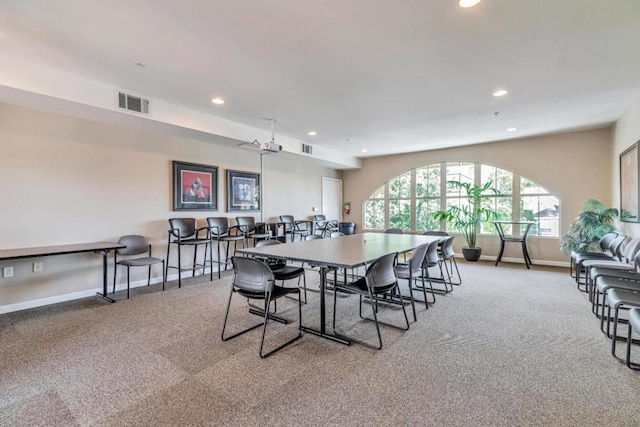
x: 510, y: 347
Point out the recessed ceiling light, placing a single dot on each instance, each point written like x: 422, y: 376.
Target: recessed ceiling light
x: 468, y: 3
x: 218, y: 101
x: 512, y: 129
x: 500, y: 92
x: 364, y: 150
x: 312, y: 133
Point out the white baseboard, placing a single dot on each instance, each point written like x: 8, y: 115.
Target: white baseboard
x: 25, y: 305
x: 521, y: 261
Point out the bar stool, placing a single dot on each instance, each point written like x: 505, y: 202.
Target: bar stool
x: 220, y: 231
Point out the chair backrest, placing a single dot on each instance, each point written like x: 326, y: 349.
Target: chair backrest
x: 182, y: 227
x: 218, y: 225
x: 136, y: 245
x: 336, y: 234
x: 606, y: 240
x: 631, y: 249
x: 273, y: 263
x: 381, y: 273
x: 616, y: 246
x: 431, y: 258
x: 394, y: 231
x: 447, y: 247
x: 246, y: 223
x: 321, y: 221
x: 418, y: 256
x: 288, y: 221
x: 435, y: 233
x: 261, y: 243
x: 312, y: 237
x: 250, y: 274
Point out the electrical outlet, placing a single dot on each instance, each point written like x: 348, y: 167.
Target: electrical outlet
x: 37, y: 267
x: 7, y: 272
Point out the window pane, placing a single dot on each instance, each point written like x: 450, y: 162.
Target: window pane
x: 504, y: 206
x: 400, y: 186
x: 458, y: 171
x: 400, y: 214
x: 502, y: 180
x: 544, y: 211
x: 374, y: 215
x: 424, y: 207
x: 379, y: 194
x: 428, y: 181
x: 529, y: 187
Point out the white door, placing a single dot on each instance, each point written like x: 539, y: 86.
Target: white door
x: 332, y: 198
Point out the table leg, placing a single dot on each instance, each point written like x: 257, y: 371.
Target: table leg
x: 500, y: 253
x: 322, y: 332
x: 103, y: 295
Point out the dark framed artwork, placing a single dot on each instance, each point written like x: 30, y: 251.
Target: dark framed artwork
x: 195, y: 187
x: 243, y: 191
x: 629, y: 161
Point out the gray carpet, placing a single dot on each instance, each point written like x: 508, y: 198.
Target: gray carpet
x: 510, y: 347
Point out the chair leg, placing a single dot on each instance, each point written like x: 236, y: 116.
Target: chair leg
x: 149, y: 277
x: 164, y: 277
x: 128, y: 285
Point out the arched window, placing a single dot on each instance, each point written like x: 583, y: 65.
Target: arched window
x: 408, y: 200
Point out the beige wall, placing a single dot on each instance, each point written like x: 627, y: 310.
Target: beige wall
x: 625, y: 133
x: 67, y: 180
x: 574, y: 166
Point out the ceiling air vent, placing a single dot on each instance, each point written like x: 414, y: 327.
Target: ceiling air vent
x: 307, y: 149
x: 133, y: 103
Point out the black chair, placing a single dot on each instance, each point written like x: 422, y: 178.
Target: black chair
x: 634, y: 325
x: 447, y: 258
x: 220, y: 231
x: 615, y: 249
x: 324, y: 226
x: 184, y: 232
x: 380, y: 280
x: 253, y: 279
x: 435, y: 233
x: 413, y: 270
x: 135, y: 245
x: 281, y: 270
x: 294, y: 228
x: 433, y: 259
x: 394, y: 231
x: 251, y: 229
x: 604, y: 252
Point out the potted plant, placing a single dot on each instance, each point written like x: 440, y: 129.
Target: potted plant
x: 593, y: 221
x: 468, y: 217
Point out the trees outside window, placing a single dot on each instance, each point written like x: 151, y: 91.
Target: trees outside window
x: 407, y: 200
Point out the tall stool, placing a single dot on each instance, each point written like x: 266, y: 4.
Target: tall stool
x: 183, y: 232
x: 220, y: 231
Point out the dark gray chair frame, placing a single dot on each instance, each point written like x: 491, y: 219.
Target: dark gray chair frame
x: 292, y: 227
x: 325, y: 226
x: 135, y: 245
x: 184, y: 232
x: 253, y: 279
x: 615, y: 248
x: 220, y: 231
x: 251, y: 229
x: 380, y: 280
x: 634, y: 325
x: 412, y: 270
x: 281, y: 270
x: 603, y: 244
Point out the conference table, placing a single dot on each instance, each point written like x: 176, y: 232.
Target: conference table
x: 345, y: 252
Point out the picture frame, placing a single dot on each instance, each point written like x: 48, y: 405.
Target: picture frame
x: 243, y: 191
x: 629, y: 184
x: 195, y: 187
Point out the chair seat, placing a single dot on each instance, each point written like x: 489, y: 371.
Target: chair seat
x: 360, y: 286
x: 617, y: 296
x: 140, y: 262
x: 277, y: 291
x: 616, y: 283
x: 288, y: 272
x: 403, y: 272
x: 231, y: 238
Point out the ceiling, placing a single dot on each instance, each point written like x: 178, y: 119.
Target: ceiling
x: 387, y: 76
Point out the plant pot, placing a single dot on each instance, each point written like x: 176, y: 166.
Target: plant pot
x: 471, y: 254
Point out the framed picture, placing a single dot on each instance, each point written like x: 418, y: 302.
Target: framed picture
x: 243, y: 191
x: 629, y: 187
x: 195, y: 187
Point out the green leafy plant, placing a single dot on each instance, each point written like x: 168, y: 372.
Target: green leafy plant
x: 593, y: 221
x: 468, y: 217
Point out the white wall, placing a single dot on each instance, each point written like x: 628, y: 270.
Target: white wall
x: 626, y: 132
x: 67, y: 180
